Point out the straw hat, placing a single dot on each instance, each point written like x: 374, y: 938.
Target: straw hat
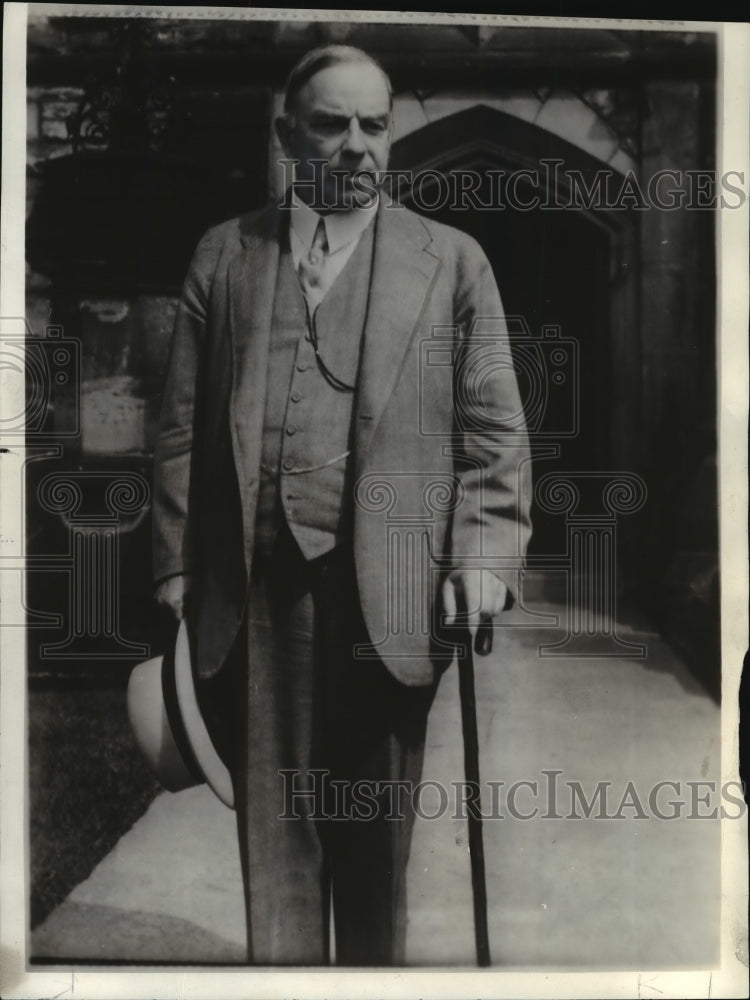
x: 168, y: 726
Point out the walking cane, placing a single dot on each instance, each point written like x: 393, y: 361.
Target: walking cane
x: 482, y: 646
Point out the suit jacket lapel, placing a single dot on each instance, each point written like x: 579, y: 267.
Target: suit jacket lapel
x: 403, y: 273
x: 252, y: 285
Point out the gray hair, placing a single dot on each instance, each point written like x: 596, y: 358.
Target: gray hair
x: 321, y: 58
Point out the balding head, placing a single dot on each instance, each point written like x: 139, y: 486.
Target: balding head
x: 322, y: 58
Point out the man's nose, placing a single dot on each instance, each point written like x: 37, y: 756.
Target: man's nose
x: 354, y: 141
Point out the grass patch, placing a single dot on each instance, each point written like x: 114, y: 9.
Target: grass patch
x: 87, y: 784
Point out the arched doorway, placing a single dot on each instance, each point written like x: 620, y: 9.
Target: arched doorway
x: 568, y: 269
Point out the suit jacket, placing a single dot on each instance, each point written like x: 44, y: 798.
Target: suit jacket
x: 439, y: 435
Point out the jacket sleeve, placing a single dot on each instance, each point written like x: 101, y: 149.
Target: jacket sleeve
x: 175, y: 471
x: 492, y: 444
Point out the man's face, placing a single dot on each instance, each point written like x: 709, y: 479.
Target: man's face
x: 342, y: 115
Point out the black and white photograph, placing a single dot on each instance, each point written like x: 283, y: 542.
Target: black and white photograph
x: 374, y: 553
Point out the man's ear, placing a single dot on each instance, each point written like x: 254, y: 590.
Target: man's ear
x: 283, y: 126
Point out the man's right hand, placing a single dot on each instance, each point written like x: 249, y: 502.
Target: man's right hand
x: 172, y: 594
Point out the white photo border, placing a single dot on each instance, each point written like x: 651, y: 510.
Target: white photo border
x: 729, y: 978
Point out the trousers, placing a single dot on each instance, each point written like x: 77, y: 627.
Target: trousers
x: 318, y: 741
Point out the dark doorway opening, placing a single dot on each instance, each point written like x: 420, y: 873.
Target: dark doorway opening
x: 552, y: 272
x: 552, y: 267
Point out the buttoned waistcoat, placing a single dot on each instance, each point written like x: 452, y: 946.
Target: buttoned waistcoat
x: 439, y: 441
x: 306, y: 461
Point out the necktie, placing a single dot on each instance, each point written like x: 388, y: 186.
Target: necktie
x: 311, y: 268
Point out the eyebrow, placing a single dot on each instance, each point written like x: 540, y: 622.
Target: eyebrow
x: 337, y: 118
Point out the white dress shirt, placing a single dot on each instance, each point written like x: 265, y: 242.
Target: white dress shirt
x: 343, y: 232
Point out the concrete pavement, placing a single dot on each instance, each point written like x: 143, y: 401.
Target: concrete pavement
x: 628, y: 892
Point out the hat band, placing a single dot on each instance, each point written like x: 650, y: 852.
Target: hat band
x: 174, y: 715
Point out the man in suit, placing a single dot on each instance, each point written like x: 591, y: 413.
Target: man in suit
x: 329, y: 505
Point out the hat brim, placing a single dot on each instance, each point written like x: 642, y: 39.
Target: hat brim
x: 168, y: 726
x: 156, y: 726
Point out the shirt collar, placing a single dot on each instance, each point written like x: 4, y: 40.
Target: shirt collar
x: 341, y: 227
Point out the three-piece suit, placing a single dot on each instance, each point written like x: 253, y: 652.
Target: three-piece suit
x: 316, y: 477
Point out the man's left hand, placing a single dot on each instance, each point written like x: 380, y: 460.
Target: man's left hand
x: 477, y: 594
